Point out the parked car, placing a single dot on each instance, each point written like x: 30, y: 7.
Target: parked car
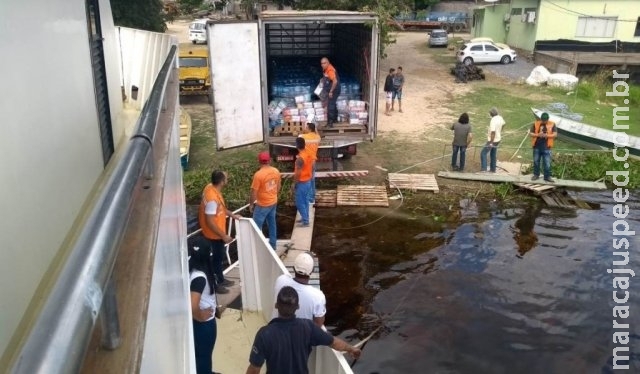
x: 198, y: 31
x: 488, y: 40
x: 479, y: 52
x: 438, y: 37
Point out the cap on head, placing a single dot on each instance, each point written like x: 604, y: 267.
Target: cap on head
x: 303, y: 264
x: 544, y: 116
x: 263, y: 157
x: 493, y: 111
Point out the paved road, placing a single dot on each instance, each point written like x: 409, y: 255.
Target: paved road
x: 512, y: 72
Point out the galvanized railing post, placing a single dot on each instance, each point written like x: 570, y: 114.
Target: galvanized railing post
x: 109, y: 320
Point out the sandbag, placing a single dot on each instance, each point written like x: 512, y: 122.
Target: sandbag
x: 567, y: 82
x: 539, y: 75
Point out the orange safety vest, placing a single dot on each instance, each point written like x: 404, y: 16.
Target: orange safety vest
x: 312, y: 142
x: 536, y: 130
x: 307, y: 168
x: 210, y: 194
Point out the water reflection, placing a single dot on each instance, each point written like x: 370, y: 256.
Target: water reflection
x: 521, y: 290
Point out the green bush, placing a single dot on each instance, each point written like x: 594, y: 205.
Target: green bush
x: 588, y: 90
x: 591, y: 166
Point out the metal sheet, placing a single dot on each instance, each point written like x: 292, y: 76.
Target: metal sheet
x: 236, y: 80
x: 168, y: 346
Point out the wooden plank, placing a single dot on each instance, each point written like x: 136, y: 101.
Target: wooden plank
x: 537, y: 189
x: 505, y: 178
x: 333, y: 174
x: 414, y: 182
x: 362, y: 196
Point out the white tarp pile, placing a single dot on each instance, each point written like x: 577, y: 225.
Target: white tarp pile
x: 567, y: 82
x: 539, y: 76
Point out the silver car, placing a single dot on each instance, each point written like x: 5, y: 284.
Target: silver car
x: 439, y: 38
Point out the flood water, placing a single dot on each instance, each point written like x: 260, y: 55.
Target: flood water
x: 517, y: 290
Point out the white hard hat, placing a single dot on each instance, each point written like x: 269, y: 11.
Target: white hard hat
x: 303, y: 264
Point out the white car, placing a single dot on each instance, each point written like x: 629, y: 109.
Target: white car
x: 479, y: 52
x: 198, y: 31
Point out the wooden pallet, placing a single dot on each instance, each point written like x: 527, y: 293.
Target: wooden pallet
x: 326, y: 198
x: 414, y: 182
x: 289, y: 128
x: 537, y: 189
x: 362, y: 196
x: 344, y: 129
x: 565, y: 200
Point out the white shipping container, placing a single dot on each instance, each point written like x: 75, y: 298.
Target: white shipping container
x: 300, y: 99
x: 317, y: 104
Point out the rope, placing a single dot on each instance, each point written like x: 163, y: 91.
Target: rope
x: 359, y: 226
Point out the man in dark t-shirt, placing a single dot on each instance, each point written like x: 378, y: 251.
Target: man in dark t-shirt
x: 388, y: 90
x: 286, y: 342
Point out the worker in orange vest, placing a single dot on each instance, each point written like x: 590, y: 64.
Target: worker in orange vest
x: 542, y: 134
x: 212, y: 216
x: 312, y: 142
x: 263, y: 199
x: 302, y: 180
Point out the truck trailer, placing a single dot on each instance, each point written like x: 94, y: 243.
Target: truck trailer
x: 264, y: 73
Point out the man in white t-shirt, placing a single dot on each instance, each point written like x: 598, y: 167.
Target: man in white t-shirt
x: 311, y: 300
x: 493, y: 140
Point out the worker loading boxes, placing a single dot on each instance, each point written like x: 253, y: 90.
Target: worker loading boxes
x: 273, y: 105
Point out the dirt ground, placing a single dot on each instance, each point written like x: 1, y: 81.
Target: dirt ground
x: 418, y: 134
x: 427, y: 90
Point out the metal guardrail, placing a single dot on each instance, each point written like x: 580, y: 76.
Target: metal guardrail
x: 59, y: 337
x: 226, y: 246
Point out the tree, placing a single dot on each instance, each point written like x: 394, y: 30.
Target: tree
x: 385, y: 9
x: 139, y: 14
x: 189, y: 6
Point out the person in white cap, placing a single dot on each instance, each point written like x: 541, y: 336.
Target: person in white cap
x: 312, y: 300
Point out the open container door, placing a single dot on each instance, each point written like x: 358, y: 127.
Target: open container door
x: 373, y: 71
x: 234, y: 56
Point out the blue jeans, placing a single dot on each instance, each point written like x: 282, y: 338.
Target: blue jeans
x: 493, y: 157
x: 204, y: 336
x: 312, y: 191
x: 268, y: 213
x: 303, y: 189
x: 454, y: 156
x: 545, y: 156
x: 217, y: 260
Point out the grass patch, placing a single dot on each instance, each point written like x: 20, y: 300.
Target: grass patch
x: 441, y: 55
x: 518, y: 99
x: 592, y: 166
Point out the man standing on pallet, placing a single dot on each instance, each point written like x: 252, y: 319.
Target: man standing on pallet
x: 302, y: 181
x: 264, y: 196
x: 494, y: 136
x: 212, y: 216
x: 542, y: 134
x: 331, y: 90
x: 312, y: 142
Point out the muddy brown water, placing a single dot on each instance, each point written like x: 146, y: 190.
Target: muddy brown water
x: 522, y: 289
x: 482, y: 289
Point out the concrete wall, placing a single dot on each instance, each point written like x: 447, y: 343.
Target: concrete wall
x: 522, y: 34
x: 50, y: 144
x: 557, y: 23
x: 489, y: 22
x: 50, y: 148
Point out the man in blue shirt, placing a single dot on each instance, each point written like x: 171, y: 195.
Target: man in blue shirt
x: 286, y: 342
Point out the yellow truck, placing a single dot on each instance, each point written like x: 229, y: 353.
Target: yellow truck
x: 195, y: 77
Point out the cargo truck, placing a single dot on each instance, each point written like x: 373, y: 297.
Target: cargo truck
x: 264, y: 73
